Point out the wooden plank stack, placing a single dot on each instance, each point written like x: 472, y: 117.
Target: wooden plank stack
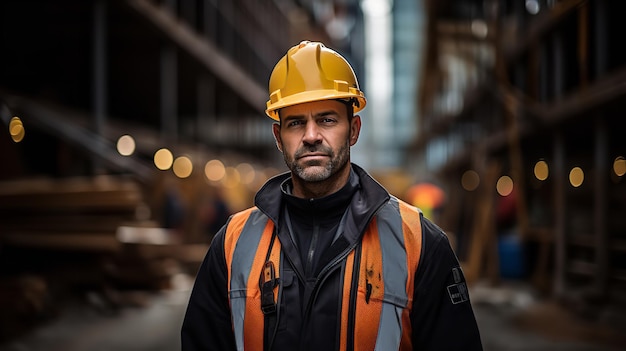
x: 68, y: 238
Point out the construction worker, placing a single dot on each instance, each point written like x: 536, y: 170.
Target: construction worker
x: 327, y: 259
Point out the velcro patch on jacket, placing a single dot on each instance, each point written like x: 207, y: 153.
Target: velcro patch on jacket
x: 458, y: 291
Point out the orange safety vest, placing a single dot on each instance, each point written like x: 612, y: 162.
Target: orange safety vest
x: 389, y: 255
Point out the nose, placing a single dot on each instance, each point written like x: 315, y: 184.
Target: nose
x: 312, y: 134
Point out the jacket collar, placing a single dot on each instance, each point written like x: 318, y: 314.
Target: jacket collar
x: 369, y: 197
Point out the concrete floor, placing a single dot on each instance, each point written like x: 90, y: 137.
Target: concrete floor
x: 512, y: 317
x: 154, y: 325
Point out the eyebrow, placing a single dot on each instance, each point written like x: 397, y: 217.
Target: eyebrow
x: 317, y: 115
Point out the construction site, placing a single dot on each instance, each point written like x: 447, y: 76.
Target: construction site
x: 133, y: 129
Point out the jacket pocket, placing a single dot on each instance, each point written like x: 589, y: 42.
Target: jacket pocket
x: 288, y: 301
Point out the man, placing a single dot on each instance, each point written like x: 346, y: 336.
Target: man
x: 327, y: 259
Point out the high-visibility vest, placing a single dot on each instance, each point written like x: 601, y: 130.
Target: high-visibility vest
x: 385, y: 287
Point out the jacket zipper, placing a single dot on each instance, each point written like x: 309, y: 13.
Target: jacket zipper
x: 318, y: 282
x: 338, y: 259
x: 324, y: 274
x: 312, y: 247
x: 326, y: 269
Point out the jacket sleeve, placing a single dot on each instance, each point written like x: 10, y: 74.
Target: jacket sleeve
x: 207, y: 323
x: 442, y: 317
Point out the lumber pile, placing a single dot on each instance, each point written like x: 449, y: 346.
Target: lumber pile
x: 80, y: 237
x: 69, y: 214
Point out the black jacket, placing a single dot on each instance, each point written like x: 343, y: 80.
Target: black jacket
x: 441, y: 319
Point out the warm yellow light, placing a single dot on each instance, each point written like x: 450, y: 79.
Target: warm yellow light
x: 16, y: 129
x: 247, y: 173
x: 17, y: 133
x: 576, y: 177
x: 504, y: 186
x: 619, y: 166
x: 15, y: 121
x: 470, y: 180
x: 541, y: 170
x: 232, y: 177
x: 214, y: 170
x: 126, y: 145
x: 182, y: 167
x: 163, y: 159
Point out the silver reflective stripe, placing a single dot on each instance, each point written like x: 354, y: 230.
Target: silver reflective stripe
x: 245, y: 250
x: 395, y: 275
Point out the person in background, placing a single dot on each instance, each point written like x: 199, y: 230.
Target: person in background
x: 327, y: 259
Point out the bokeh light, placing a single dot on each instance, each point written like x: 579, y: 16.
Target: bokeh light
x: 214, y: 170
x: 504, y: 186
x: 247, y: 173
x: 541, y: 170
x: 576, y: 177
x: 182, y: 167
x: 163, y: 159
x: 470, y: 180
x: 126, y: 145
x: 619, y: 166
x: 16, y: 129
x: 232, y: 178
x: 532, y: 6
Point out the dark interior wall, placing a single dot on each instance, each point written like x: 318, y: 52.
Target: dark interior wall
x: 46, y: 49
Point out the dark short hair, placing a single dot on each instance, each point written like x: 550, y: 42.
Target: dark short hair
x: 349, y: 107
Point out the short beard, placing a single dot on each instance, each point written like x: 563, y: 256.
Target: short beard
x: 337, y: 162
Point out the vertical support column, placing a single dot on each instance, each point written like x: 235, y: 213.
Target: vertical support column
x: 601, y: 167
x: 560, y: 213
x: 600, y: 36
x: 558, y: 81
x: 99, y: 87
x: 206, y: 87
x: 560, y: 195
x: 544, y: 70
x: 169, y: 86
x: 583, y: 44
x: 601, y: 159
x: 188, y: 12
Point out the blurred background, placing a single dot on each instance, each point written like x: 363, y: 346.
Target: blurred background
x: 131, y: 129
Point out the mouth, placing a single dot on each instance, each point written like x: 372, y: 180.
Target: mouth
x: 313, y: 155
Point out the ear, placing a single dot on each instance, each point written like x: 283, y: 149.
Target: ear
x: 276, y: 131
x: 355, y: 129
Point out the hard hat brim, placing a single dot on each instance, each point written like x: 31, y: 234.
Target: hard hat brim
x: 310, y: 96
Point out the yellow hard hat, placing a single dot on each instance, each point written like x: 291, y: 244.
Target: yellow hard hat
x: 311, y: 72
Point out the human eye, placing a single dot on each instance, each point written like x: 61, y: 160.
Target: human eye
x: 294, y: 123
x: 327, y: 120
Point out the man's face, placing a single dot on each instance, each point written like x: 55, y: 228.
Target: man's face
x: 315, y: 138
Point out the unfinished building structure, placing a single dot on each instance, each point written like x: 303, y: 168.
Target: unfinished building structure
x: 522, y: 111
x: 91, y: 92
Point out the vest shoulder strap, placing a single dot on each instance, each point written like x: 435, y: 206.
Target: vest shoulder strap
x: 391, y: 249
x: 246, y: 244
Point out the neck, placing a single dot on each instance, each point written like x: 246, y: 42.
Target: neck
x: 316, y: 190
